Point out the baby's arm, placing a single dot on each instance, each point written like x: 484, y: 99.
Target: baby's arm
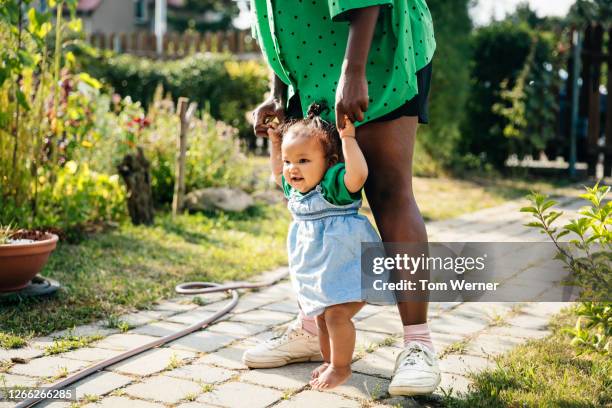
x: 355, y: 163
x: 276, y: 160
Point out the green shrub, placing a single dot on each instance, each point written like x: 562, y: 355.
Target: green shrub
x: 588, y: 256
x: 511, y: 107
x: 230, y: 87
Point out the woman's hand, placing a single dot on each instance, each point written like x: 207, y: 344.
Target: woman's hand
x: 262, y: 115
x: 351, y: 96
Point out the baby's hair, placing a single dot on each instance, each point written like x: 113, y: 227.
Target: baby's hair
x: 315, y: 126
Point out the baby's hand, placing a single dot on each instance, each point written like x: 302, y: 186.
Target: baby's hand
x: 273, y: 132
x: 349, y: 128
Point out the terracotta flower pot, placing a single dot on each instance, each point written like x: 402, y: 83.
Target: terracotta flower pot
x: 19, y: 263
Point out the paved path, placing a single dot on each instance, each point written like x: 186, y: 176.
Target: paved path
x: 204, y: 368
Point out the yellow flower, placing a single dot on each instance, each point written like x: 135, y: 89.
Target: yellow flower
x: 86, y: 143
x: 71, y: 166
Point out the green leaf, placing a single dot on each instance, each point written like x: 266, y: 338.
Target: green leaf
x: 21, y: 98
x: 529, y: 209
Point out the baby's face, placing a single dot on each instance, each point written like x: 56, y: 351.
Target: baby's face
x: 304, y: 162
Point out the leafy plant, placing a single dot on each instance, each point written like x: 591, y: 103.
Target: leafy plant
x: 5, y: 233
x: 588, y: 255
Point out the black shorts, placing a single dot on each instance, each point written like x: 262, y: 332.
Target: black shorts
x: 416, y: 106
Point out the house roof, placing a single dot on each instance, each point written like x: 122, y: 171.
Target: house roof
x: 91, y: 5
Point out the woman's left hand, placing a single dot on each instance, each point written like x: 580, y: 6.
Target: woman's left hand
x: 351, y: 96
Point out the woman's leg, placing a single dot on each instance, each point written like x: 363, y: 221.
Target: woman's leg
x: 388, y: 148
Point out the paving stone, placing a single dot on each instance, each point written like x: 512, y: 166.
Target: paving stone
x: 159, y: 329
x: 123, y: 402
x: 363, y: 387
x: 236, y: 328
x: 151, y: 361
x: 216, y: 306
x: 253, y: 301
x: 25, y: 353
x: 288, y: 377
x: 124, y: 341
x: 463, y: 364
x: 86, y: 330
x: 381, y: 362
x: 203, y: 341
x: 437, y: 308
x: 191, y: 317
x: 263, y: 317
x: 545, y: 309
x: 204, y: 297
x: 453, y: 384
x: 174, y: 307
x: 488, y: 344
x: 228, y: 357
x: 201, y: 372
x: 195, y: 405
x: 91, y: 354
x: 449, y: 323
x: 366, y: 339
x: 100, y: 383
x: 310, y: 398
x: 136, y: 319
x: 163, y: 388
x: 516, y: 331
x: 443, y: 340
x: 382, y: 322
x: 47, y: 366
x: 238, y: 395
x: 405, y: 402
x: 529, y: 322
x: 10, y: 380
x: 285, y: 306
x: 368, y: 311
x: 53, y: 404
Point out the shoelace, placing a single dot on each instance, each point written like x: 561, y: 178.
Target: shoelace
x: 289, y: 333
x: 408, y: 360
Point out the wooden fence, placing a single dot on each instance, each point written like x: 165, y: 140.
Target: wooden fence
x: 176, y: 45
x: 599, y: 125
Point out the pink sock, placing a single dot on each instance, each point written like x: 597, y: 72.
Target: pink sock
x: 308, y: 323
x: 420, y: 333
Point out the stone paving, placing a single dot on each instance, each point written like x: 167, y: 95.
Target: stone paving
x: 203, y: 369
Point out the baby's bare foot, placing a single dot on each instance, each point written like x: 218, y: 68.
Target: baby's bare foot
x: 331, y: 377
x: 317, y: 371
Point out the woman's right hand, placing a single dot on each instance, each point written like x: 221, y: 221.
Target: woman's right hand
x: 262, y: 115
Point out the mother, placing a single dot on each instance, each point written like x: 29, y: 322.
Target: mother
x: 373, y: 58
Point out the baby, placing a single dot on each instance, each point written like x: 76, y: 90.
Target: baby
x: 322, y: 173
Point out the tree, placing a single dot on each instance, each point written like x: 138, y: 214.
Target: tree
x: 203, y: 15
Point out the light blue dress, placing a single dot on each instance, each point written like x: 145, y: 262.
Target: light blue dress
x: 324, y: 246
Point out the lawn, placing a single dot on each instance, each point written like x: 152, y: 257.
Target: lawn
x: 129, y: 267
x: 548, y: 372
x: 132, y: 267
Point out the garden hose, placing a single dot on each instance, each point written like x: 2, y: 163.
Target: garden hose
x: 188, y: 288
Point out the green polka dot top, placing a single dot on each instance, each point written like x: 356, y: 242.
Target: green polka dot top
x: 304, y: 42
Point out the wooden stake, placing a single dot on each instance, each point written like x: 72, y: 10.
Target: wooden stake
x: 185, y: 115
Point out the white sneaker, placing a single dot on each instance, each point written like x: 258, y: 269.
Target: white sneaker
x: 416, y: 371
x: 296, y: 345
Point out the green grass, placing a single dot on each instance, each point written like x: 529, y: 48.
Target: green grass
x: 543, y: 373
x: 70, y: 342
x: 131, y: 267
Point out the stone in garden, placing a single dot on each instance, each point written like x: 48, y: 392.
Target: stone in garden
x: 269, y: 197
x: 221, y: 198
